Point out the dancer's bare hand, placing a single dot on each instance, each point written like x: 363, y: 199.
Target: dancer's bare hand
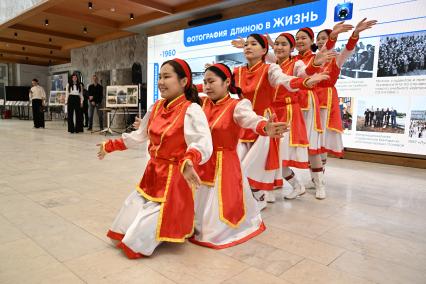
x: 270, y: 41
x: 276, y: 129
x: 191, y: 175
x: 324, y: 55
x: 101, y: 152
x: 364, y: 25
x: 137, y: 122
x: 238, y: 43
x: 339, y: 28
x: 316, y: 78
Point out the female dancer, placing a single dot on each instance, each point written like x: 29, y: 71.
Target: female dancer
x: 328, y: 97
x: 226, y: 213
x: 258, y: 80
x: 162, y: 207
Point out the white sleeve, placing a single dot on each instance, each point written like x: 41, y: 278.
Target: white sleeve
x: 197, y: 132
x: 139, y: 136
x: 277, y: 77
x: 300, y: 69
x: 270, y: 57
x: 245, y: 117
x: 343, y: 56
x: 43, y: 94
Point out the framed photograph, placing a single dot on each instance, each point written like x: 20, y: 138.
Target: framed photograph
x: 122, y: 96
x: 57, y: 98
x: 59, y: 81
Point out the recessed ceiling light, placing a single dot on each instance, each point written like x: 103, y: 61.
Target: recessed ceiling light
x: 112, y: 9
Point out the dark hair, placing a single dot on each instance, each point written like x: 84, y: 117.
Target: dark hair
x: 261, y: 40
x: 327, y: 31
x: 233, y: 89
x: 71, y: 82
x: 35, y: 80
x: 314, y: 47
x: 191, y: 93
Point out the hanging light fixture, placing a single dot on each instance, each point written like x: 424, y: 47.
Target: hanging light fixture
x: 90, y: 5
x: 131, y: 16
x: 46, y: 22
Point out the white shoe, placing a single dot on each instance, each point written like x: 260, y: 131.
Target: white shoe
x: 297, y: 191
x: 270, y: 196
x: 320, y: 192
x: 310, y: 185
x: 260, y: 198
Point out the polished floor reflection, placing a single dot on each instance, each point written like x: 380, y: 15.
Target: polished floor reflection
x: 57, y: 201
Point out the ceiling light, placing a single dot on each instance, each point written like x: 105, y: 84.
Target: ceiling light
x: 131, y: 16
x: 85, y: 30
x: 46, y: 22
x: 23, y: 48
x: 90, y: 5
x: 112, y: 9
x: 51, y: 52
x: 16, y: 34
x: 1, y: 54
x: 26, y: 58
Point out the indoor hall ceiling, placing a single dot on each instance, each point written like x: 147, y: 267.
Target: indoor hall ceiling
x: 45, y: 34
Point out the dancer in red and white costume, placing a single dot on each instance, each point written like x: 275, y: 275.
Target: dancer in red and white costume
x: 162, y: 207
x: 258, y: 80
x: 331, y: 139
x: 226, y: 213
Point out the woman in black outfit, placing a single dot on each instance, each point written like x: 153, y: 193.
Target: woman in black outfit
x: 74, y: 102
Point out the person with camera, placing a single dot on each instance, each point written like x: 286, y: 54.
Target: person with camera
x: 95, y: 91
x: 38, y: 102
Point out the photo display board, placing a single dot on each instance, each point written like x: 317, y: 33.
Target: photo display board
x: 382, y: 86
x: 57, y: 98
x: 122, y: 96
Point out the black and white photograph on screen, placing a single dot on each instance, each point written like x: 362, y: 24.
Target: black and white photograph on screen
x: 382, y: 114
x: 402, y: 55
x: 198, y: 66
x: 418, y: 118
x: 360, y: 64
x: 346, y: 111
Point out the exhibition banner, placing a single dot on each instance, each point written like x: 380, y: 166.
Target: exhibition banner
x: 382, y: 86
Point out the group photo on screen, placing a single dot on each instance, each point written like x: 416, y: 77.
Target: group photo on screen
x: 382, y: 114
x: 402, y: 55
x: 418, y: 118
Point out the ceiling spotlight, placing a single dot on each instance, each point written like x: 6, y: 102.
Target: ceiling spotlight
x: 16, y: 34
x: 1, y: 54
x: 46, y: 22
x: 85, y: 30
x: 112, y: 9
x: 131, y: 16
x: 90, y: 5
x: 23, y: 48
x: 51, y: 52
x: 50, y: 40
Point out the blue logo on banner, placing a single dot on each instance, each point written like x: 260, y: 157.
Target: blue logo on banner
x: 156, y: 72
x: 291, y: 18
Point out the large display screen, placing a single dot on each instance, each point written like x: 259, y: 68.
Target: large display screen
x: 385, y: 78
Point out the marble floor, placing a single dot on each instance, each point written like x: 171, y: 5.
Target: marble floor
x: 57, y: 201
